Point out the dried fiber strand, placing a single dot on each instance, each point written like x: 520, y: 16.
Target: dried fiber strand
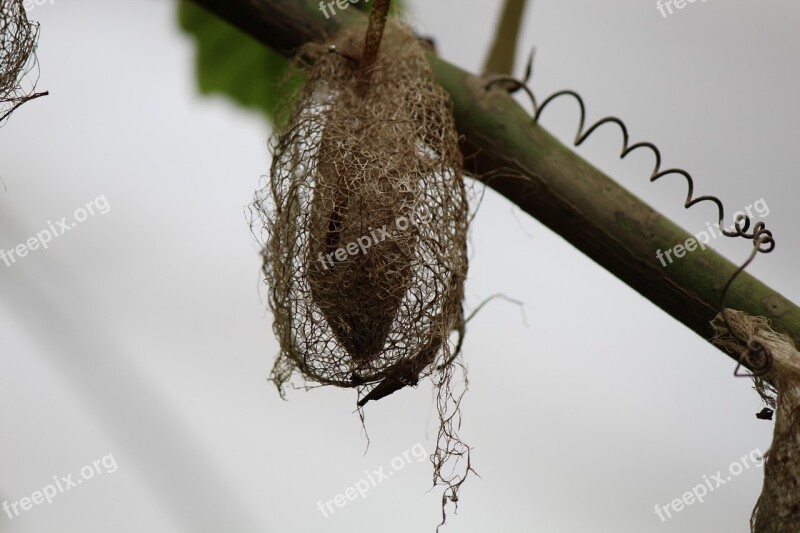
x: 364, y: 223
x: 18, y: 66
x: 778, y: 507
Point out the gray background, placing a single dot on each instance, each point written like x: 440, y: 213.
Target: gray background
x: 143, y: 332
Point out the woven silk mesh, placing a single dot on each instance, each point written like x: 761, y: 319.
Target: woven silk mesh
x: 365, y: 222
x: 17, y: 59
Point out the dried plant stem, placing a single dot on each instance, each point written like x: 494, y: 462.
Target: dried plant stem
x: 552, y: 183
x: 372, y: 42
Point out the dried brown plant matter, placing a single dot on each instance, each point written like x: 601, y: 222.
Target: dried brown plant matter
x: 365, y: 221
x: 778, y: 507
x: 18, y: 38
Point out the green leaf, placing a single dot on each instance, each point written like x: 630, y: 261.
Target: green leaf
x: 230, y: 63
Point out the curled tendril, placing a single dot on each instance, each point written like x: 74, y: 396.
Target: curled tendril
x: 756, y: 356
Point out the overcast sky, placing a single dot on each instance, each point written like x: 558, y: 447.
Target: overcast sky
x: 138, y: 344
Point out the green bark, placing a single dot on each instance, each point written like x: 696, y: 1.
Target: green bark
x: 550, y: 182
x: 504, y: 49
